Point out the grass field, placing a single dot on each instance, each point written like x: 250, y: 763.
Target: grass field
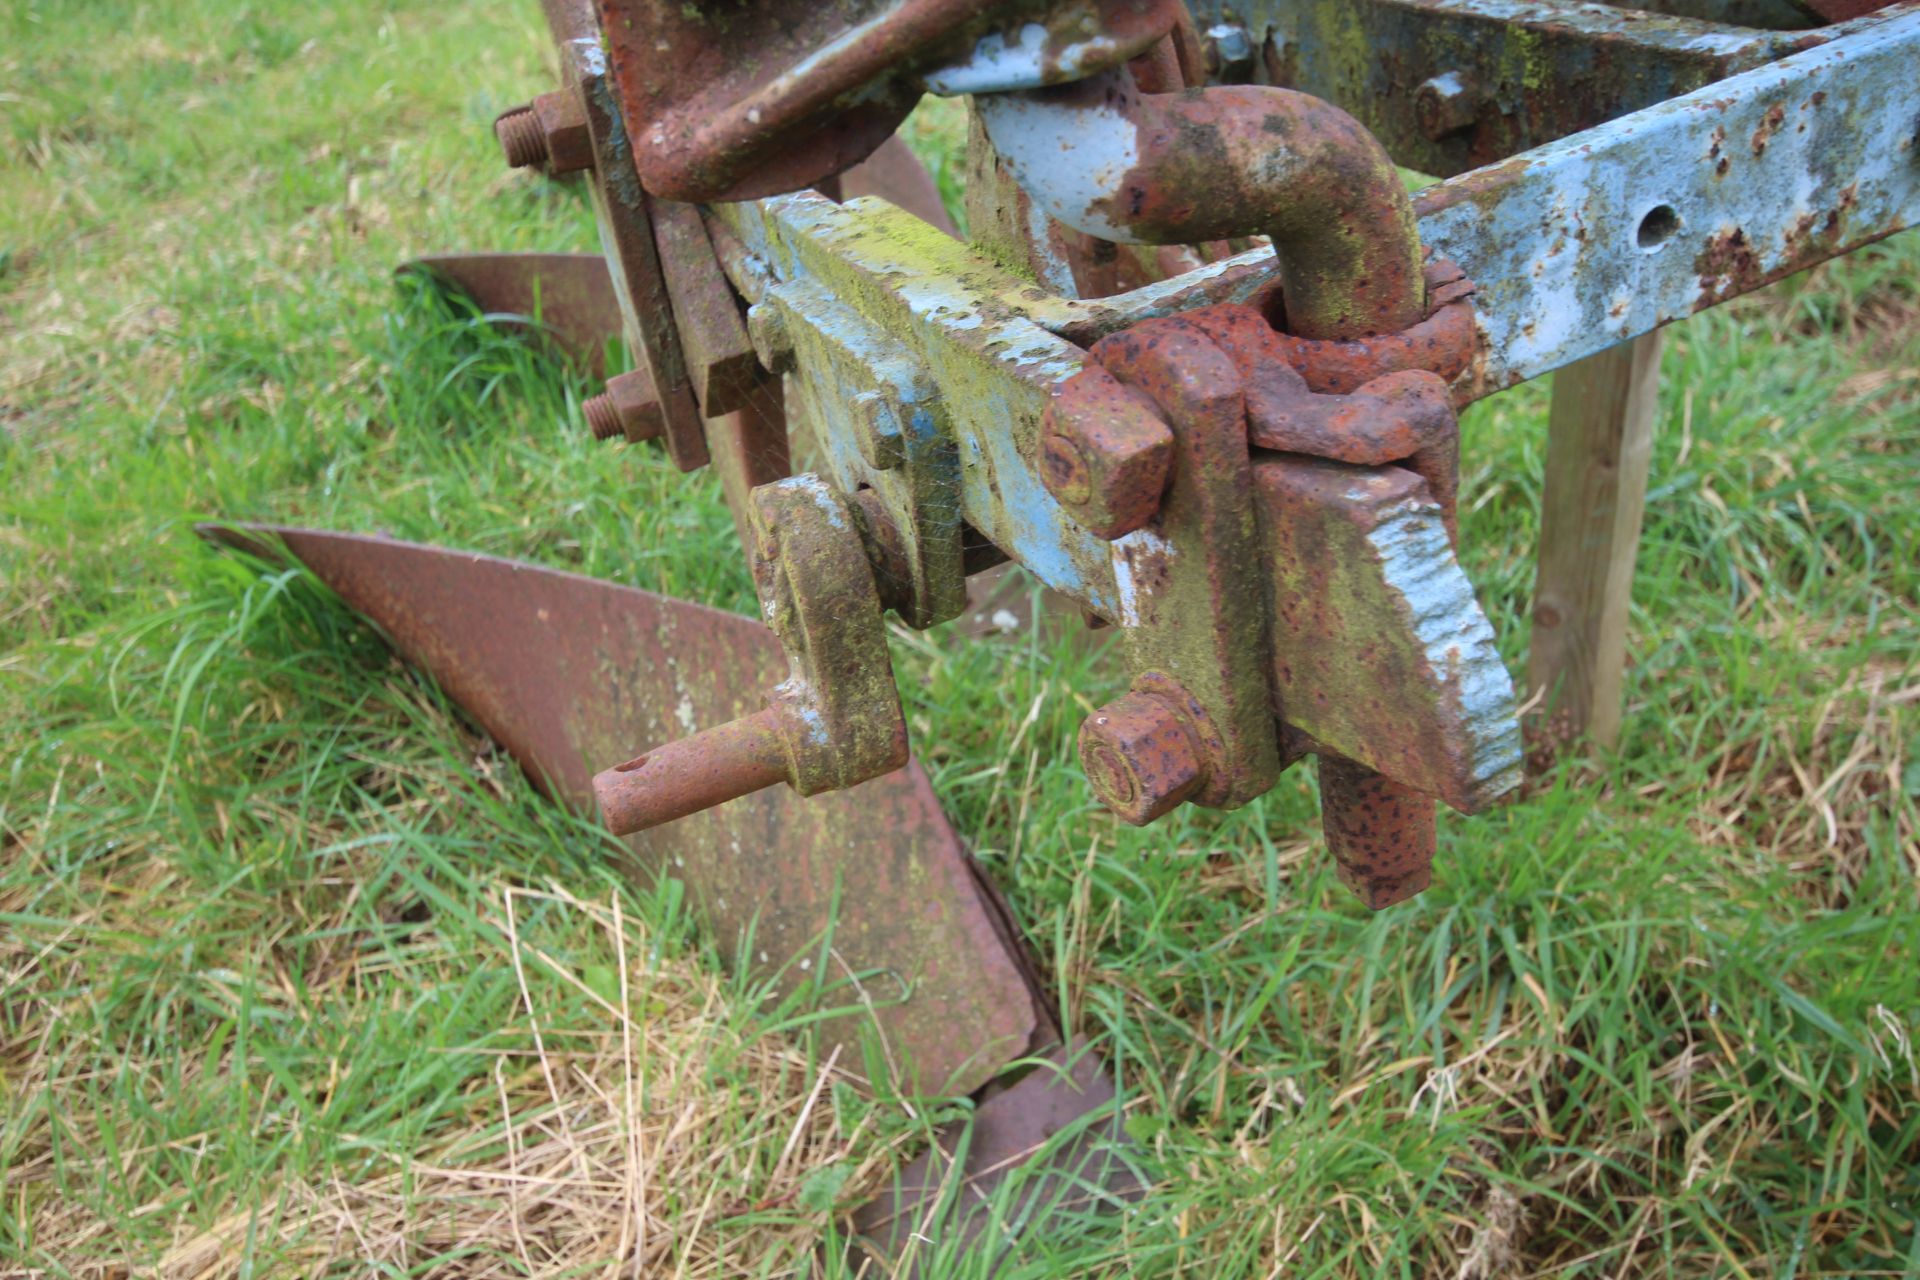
x: 298, y: 976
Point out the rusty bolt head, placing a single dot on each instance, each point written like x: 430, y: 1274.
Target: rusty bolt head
x: 1064, y: 470
x: 1105, y: 454
x: 1140, y: 757
x: 772, y: 341
x: 550, y: 133
x: 1445, y: 105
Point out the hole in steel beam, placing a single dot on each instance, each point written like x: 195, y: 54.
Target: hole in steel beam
x: 1658, y: 227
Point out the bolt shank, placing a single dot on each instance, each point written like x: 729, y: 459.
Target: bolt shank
x: 695, y: 773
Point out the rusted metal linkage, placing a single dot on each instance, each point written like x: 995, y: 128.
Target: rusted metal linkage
x: 885, y: 324
x: 1146, y: 445
x: 1122, y: 476
x: 1582, y: 244
x: 833, y: 723
x: 1181, y: 168
x: 755, y: 99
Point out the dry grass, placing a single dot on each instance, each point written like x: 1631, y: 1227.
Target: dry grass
x: 575, y: 1159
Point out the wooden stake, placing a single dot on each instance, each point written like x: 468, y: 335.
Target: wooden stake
x: 1599, y: 445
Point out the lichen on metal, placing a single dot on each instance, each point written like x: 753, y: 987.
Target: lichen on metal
x: 1381, y: 652
x: 1554, y: 236
x: 963, y: 317
x: 879, y: 425
x: 1528, y: 71
x: 1585, y: 243
x: 1233, y: 161
x: 836, y: 720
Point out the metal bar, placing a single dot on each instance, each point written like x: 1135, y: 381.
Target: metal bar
x: 626, y: 234
x: 719, y: 359
x: 992, y: 368
x: 1769, y: 15
x: 1449, y: 85
x: 1582, y: 244
x: 1237, y: 160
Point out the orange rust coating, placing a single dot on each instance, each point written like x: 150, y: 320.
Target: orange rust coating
x: 1238, y: 159
x: 1140, y: 758
x: 741, y: 101
x: 1105, y: 452
x: 1444, y: 342
x: 1380, y: 833
x: 693, y: 774
x: 1405, y: 417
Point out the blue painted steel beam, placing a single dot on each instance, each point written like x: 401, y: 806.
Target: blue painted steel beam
x: 1585, y: 243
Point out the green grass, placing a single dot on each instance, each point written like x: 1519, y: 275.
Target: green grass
x: 255, y: 970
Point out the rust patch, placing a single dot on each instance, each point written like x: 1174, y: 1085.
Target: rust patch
x: 1726, y: 266
x: 1769, y: 125
x: 563, y: 669
x: 1381, y: 834
x: 739, y: 101
x: 1731, y: 263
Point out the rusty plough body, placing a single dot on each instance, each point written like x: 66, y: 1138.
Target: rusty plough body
x: 1197, y: 370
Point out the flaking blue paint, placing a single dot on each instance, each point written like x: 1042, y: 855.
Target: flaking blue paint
x: 1417, y: 563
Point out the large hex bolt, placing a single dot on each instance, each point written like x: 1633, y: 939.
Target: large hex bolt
x: 1142, y: 759
x: 1105, y: 453
x: 628, y: 408
x: 550, y: 134
x: 1380, y: 833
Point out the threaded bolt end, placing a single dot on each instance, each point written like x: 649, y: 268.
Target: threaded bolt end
x: 602, y: 418
x: 522, y: 138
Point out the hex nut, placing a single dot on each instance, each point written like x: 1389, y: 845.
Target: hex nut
x: 1140, y: 758
x: 1105, y: 454
x: 637, y: 406
x: 563, y: 120
x: 550, y: 134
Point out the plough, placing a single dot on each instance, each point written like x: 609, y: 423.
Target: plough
x: 1196, y: 369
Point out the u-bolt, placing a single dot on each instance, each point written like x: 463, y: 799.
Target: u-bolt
x: 1229, y: 161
